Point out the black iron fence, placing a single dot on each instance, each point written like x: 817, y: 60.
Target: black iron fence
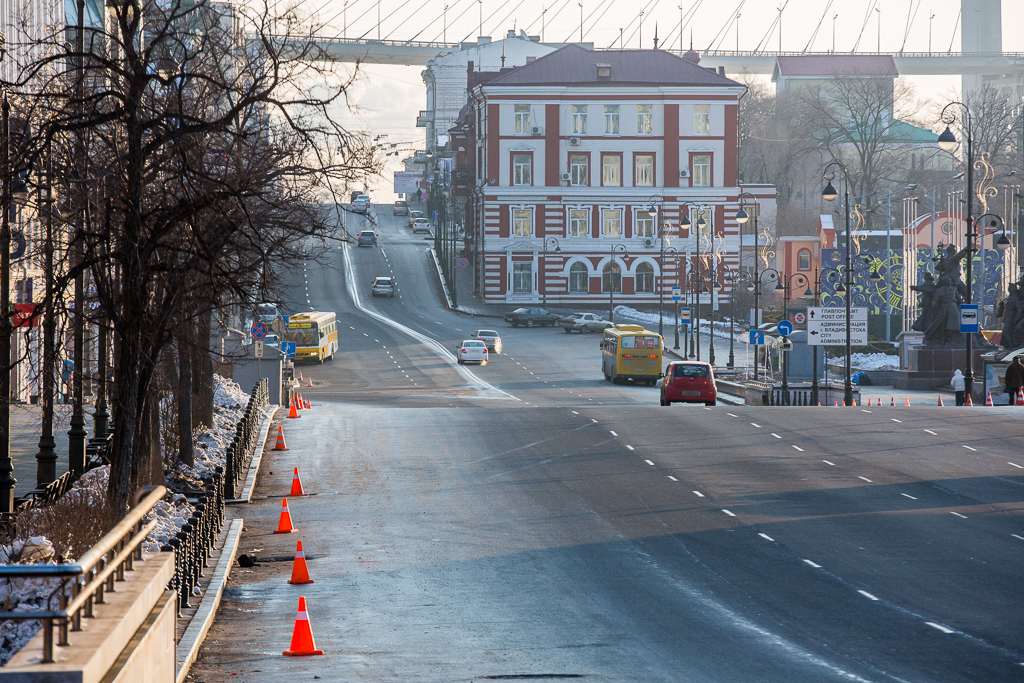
x: 239, y: 452
x: 195, y: 540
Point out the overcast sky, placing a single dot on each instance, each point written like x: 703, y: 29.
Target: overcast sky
x: 388, y: 98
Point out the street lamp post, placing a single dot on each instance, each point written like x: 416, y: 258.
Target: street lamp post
x: 732, y: 321
x: 755, y: 284
x: 830, y: 194
x: 611, y: 278
x: 7, y: 480
x: 675, y: 304
x: 544, y: 268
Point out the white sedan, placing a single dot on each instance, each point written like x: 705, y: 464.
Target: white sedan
x: 472, y: 351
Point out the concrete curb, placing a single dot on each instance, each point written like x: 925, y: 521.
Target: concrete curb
x: 440, y: 276
x: 195, y: 634
x: 257, y: 458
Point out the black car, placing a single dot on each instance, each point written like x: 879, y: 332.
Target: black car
x: 530, y: 317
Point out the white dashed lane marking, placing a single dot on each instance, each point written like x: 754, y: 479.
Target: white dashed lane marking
x: 672, y: 478
x: 728, y: 513
x: 649, y: 463
x: 940, y: 627
x: 776, y: 435
x: 630, y: 447
x: 959, y: 515
x: 612, y: 433
x: 698, y: 494
x: 767, y: 537
x: 799, y: 449
x: 931, y: 432
x: 756, y: 425
x: 866, y: 479
x: 829, y: 463
x: 1019, y: 467
x: 867, y: 595
x: 907, y: 495
x: 969, y: 448
x: 813, y: 564
x: 895, y: 420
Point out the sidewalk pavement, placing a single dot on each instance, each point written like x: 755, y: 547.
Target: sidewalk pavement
x: 26, y: 426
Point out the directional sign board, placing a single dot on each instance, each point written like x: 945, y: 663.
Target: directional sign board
x: 258, y: 348
x: 684, y: 314
x: 288, y: 349
x: 757, y: 337
x: 827, y: 326
x: 258, y: 330
x: 677, y: 293
x: 969, y: 320
x: 785, y: 328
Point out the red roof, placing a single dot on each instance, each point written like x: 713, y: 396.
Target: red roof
x: 836, y: 65
x: 574, y: 65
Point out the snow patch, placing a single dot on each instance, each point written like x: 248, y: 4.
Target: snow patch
x: 874, y: 361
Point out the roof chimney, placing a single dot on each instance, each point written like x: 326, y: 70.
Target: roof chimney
x: 721, y: 71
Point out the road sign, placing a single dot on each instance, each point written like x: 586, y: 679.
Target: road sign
x: 436, y: 214
x: 969, y: 321
x: 257, y: 348
x: 827, y: 326
x: 757, y: 337
x: 785, y: 328
x: 799, y: 318
x: 258, y: 330
x: 684, y: 314
x: 463, y: 262
x: 786, y: 345
x: 288, y: 349
x: 677, y: 293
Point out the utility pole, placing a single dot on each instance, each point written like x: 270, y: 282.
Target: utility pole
x: 581, y: 22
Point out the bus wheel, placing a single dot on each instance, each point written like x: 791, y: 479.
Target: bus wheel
x: 606, y: 375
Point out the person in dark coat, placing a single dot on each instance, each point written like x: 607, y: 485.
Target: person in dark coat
x: 1014, y: 379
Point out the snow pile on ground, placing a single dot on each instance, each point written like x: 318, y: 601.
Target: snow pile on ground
x: 170, y: 515
x: 211, y: 444
x: 721, y: 326
x: 24, y: 595
x: 875, y: 361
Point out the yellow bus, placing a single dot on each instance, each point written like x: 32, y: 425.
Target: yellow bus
x: 315, y: 335
x: 631, y: 352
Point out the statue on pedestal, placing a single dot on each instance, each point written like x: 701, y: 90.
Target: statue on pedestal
x: 1011, y: 310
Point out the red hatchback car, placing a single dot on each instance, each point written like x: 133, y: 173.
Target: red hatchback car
x: 689, y: 382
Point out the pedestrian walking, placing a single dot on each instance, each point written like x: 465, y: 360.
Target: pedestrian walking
x: 1014, y: 379
x: 958, y: 387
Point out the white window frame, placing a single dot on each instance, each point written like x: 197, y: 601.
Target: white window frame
x: 709, y: 217
x: 604, y: 176
x: 586, y: 279
x: 518, y: 168
x: 578, y: 121
x: 521, y: 119
x: 702, y: 119
x: 514, y: 219
x: 636, y: 170
x: 645, y: 119
x: 638, y: 217
x: 569, y: 221
x: 606, y: 212
x: 636, y: 278
x: 701, y: 172
x: 515, y: 276
x: 611, y: 119
x: 574, y: 176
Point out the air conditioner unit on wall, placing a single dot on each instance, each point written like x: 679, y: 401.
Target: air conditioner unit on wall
x: 574, y: 142
x: 537, y: 130
x: 566, y: 177
x: 648, y: 242
x: 684, y: 174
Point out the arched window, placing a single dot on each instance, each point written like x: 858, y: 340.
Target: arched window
x: 579, y: 279
x: 611, y: 279
x: 803, y: 260
x: 644, y: 278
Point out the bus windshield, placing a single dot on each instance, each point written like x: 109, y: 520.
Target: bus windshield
x: 304, y: 336
x: 639, y: 342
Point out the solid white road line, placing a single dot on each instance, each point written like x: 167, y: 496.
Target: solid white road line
x: 958, y: 515
x: 728, y: 513
x: 867, y: 595
x: 908, y: 496
x: 698, y: 494
x: 767, y: 537
x: 940, y: 627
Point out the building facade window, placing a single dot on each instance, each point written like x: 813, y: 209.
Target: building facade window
x: 803, y: 260
x: 701, y: 170
x: 611, y: 222
x: 611, y: 170
x: 611, y: 278
x: 579, y: 278
x: 579, y: 119
x: 643, y: 173
x: 702, y: 119
x: 611, y: 119
x: 579, y: 169
x: 521, y: 164
x: 522, y: 223
x: 579, y: 223
x: 644, y: 278
x: 705, y: 216
x: 522, y: 119
x: 645, y: 119
x: 644, y: 224
x: 522, y: 278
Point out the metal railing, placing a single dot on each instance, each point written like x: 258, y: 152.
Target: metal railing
x: 84, y: 583
x: 96, y: 455
x: 246, y: 431
x: 194, y: 541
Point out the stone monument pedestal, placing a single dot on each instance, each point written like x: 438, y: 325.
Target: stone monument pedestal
x: 932, y: 368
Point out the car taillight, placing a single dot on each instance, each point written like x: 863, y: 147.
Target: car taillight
x: 463, y: 350
x: 626, y: 355
x: 653, y: 356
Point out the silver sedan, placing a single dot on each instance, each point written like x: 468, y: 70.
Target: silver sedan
x: 491, y: 338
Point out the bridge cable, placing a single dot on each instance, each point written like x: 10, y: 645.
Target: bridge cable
x: 771, y: 27
x: 407, y: 18
x: 637, y: 20
x: 955, y: 26
x: 489, y: 17
x: 469, y: 8
x: 338, y: 14
x: 817, y: 28
x: 910, y: 23
x: 541, y: 17
x: 560, y: 10
x: 325, y: 5
x: 595, y: 20
x: 867, y: 16
x: 684, y: 21
x: 724, y: 31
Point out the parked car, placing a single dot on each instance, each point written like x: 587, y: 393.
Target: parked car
x: 421, y: 225
x: 383, y: 286
x: 413, y: 215
x: 531, y: 317
x: 401, y: 208
x: 583, y: 322
x: 361, y: 204
x: 688, y: 381
x: 367, y: 238
x: 491, y: 338
x: 471, y: 351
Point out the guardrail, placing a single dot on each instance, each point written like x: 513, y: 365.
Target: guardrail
x: 84, y: 583
x: 246, y: 431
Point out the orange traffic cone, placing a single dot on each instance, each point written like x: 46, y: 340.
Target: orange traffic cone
x: 285, y: 525
x: 309, y: 382
x: 835, y: 404
x: 869, y: 403
x: 907, y: 402
x: 296, y: 484
x: 1020, y: 397
x: 892, y: 401
x: 300, y: 375
x: 298, y: 401
x: 300, y: 573
x: 940, y: 401
x: 280, y: 440
x: 302, y: 636
x: 988, y: 399
x: 309, y: 405
x: 292, y: 413
x: 970, y: 403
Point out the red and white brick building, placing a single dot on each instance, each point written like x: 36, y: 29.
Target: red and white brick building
x: 577, y: 146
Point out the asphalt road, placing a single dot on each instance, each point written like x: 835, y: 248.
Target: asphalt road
x: 527, y: 519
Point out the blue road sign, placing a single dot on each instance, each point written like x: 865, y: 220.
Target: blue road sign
x: 677, y: 293
x: 684, y: 314
x: 436, y: 214
x: 785, y: 328
x: 287, y: 349
x: 970, y: 321
x: 258, y: 330
x: 757, y: 337
x: 463, y: 263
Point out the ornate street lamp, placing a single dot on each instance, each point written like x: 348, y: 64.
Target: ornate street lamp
x: 611, y: 278
x: 544, y: 268
x: 830, y: 194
